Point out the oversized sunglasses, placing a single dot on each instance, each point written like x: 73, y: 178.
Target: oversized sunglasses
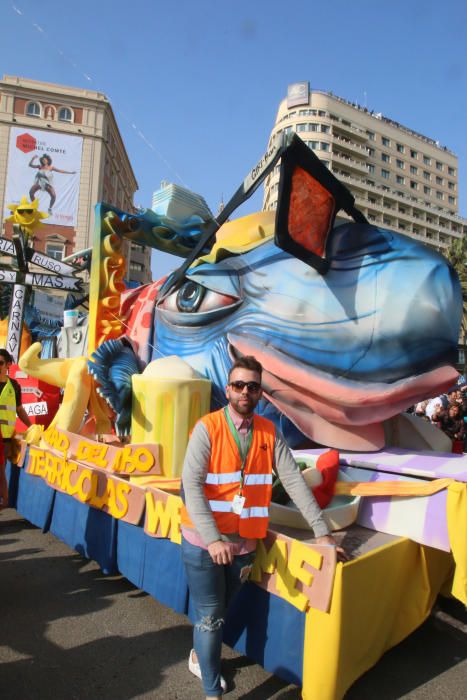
x: 252, y: 387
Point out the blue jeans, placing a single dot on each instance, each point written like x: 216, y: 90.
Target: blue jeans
x: 212, y: 587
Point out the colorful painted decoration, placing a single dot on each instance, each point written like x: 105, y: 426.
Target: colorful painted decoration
x: 26, y: 214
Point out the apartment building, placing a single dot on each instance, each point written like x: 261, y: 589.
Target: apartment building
x: 400, y: 179
x: 74, y: 131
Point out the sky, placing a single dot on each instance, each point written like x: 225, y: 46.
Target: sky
x: 195, y: 84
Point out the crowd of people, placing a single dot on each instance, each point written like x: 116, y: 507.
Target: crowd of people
x: 448, y: 412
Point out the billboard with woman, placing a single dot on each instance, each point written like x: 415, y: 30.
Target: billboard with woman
x: 45, y: 165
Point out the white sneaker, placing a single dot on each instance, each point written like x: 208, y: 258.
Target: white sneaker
x: 193, y: 666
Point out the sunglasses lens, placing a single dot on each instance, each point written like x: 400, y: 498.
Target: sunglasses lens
x: 252, y: 387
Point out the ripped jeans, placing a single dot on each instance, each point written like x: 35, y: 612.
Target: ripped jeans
x: 212, y: 587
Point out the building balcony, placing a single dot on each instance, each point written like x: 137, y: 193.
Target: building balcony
x: 348, y: 162
x: 359, y: 134
x: 350, y: 146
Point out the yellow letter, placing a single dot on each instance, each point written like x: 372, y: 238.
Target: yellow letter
x: 166, y: 516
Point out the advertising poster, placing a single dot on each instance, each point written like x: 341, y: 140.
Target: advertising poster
x: 46, y: 166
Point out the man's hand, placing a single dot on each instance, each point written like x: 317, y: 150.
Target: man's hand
x: 221, y: 552
x: 329, y: 540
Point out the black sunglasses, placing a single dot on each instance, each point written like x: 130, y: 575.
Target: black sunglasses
x: 252, y: 387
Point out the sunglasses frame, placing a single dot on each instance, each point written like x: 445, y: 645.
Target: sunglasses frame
x: 238, y: 389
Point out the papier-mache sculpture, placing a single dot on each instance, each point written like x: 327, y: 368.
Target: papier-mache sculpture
x: 352, y: 323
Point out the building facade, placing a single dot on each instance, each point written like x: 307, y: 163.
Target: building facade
x: 76, y: 129
x: 400, y: 179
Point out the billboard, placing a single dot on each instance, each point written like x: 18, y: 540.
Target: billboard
x: 45, y: 165
x: 298, y: 94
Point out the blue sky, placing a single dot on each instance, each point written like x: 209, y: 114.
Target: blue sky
x: 195, y: 85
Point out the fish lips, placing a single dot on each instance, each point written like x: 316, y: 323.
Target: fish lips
x: 299, y: 390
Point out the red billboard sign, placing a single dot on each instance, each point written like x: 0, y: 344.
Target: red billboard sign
x: 26, y: 143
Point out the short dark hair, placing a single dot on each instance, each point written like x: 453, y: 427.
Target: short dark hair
x: 47, y: 158
x: 247, y: 362
x: 6, y: 355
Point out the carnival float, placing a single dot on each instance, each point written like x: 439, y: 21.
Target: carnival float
x: 352, y: 324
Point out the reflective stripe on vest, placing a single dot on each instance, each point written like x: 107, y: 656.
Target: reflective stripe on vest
x: 228, y: 478
x: 256, y: 479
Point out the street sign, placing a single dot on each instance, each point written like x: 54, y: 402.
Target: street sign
x: 15, y: 324
x: 40, y: 259
x: 8, y: 276
x: 23, y: 278
x: 41, y: 279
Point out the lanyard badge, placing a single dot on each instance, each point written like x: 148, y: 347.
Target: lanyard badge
x: 243, y: 450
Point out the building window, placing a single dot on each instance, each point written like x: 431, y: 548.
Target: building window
x: 451, y: 186
x: 385, y: 141
x: 426, y: 190
x: 439, y: 180
x: 413, y: 154
x: 451, y: 199
x: 54, y: 250
x: 451, y: 171
x: 413, y: 169
x: 371, y: 151
x: 400, y: 163
x: 136, y: 266
x: 439, y: 195
x: 321, y: 113
x: 33, y: 109
x: 385, y: 158
x: 371, y: 168
x: 324, y: 129
x: 400, y: 148
x: 65, y: 114
x: 413, y: 185
x: 302, y: 127
x: 314, y: 145
x: 370, y: 135
x: 426, y: 160
x: 400, y: 180
x: 426, y: 175
x: 288, y: 129
x: 324, y: 146
x: 439, y: 165
x: 385, y: 173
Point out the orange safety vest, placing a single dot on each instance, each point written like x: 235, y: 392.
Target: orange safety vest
x: 224, y: 472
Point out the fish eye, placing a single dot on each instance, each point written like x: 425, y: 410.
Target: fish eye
x: 190, y: 296
x: 200, y: 302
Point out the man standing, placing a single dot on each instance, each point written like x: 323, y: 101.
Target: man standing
x: 227, y: 485
x: 10, y: 407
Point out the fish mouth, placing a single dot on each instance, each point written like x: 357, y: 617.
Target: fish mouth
x: 347, y: 413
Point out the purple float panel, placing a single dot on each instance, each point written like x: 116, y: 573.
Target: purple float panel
x: 432, y: 465
x: 420, y: 518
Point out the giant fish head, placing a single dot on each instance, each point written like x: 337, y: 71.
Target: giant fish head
x: 341, y: 352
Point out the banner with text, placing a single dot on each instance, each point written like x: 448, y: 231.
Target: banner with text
x: 46, y: 166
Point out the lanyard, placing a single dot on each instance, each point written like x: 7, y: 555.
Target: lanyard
x: 243, y: 449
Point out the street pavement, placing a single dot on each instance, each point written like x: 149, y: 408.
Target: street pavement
x: 68, y: 632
